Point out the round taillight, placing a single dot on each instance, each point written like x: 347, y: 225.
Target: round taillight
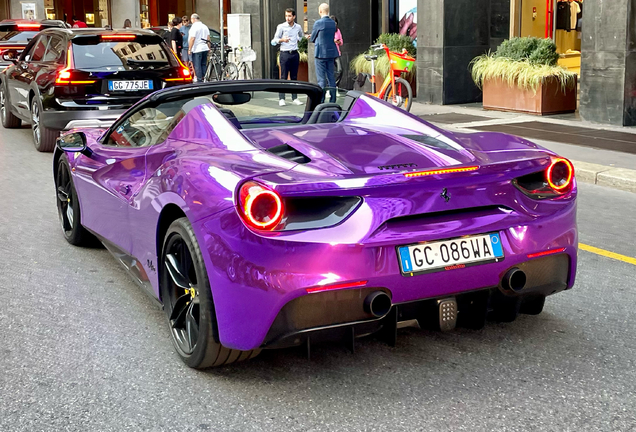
x: 262, y: 208
x: 559, y: 174
x: 185, y: 72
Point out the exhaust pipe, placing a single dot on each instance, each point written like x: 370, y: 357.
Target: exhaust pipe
x: 377, y: 303
x: 514, y: 279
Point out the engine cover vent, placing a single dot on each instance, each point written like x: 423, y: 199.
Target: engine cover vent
x: 288, y: 152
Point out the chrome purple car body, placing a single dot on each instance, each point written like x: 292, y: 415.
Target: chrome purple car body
x: 277, y: 288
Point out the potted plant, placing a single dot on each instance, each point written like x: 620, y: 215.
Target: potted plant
x: 303, y: 67
x: 395, y: 42
x: 523, y: 75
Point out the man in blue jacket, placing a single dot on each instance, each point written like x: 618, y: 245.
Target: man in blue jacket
x: 323, y: 35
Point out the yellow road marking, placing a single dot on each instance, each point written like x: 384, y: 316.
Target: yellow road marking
x: 607, y: 254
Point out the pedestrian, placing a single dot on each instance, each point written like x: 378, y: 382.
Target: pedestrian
x: 176, y: 38
x: 127, y: 23
x: 287, y: 35
x: 78, y: 24
x: 338, y: 63
x: 323, y: 35
x: 198, y: 46
x: 185, y: 31
x: 166, y: 35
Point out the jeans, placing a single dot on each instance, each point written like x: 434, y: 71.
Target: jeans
x: 339, y: 71
x: 289, y: 61
x: 325, y: 73
x: 200, y: 62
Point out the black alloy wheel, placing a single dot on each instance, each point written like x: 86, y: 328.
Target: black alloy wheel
x: 187, y: 300
x: 9, y: 121
x: 43, y: 137
x: 68, y: 208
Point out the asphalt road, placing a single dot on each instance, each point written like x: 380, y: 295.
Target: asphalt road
x: 83, y: 349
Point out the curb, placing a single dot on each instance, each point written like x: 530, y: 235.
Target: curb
x: 617, y: 178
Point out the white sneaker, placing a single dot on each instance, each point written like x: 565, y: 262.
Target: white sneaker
x: 297, y: 102
x: 327, y: 95
x: 281, y: 102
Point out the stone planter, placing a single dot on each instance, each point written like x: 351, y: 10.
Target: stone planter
x: 549, y: 98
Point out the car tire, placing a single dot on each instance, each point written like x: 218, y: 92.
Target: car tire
x: 187, y: 299
x: 43, y: 137
x: 9, y: 121
x: 68, y: 207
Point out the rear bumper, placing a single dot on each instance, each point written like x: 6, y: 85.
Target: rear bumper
x: 65, y: 120
x: 255, y: 279
x: 331, y: 313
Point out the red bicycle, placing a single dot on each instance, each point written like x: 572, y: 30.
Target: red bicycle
x: 395, y: 89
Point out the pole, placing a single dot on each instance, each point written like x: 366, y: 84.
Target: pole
x: 222, y: 34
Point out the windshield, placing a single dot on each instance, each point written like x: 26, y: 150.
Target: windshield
x: 260, y: 109
x: 7, y: 35
x: 128, y: 55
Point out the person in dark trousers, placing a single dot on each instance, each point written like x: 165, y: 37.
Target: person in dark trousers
x: 339, y: 42
x: 176, y: 38
x: 287, y: 35
x: 323, y: 35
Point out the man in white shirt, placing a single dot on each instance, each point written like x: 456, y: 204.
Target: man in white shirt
x: 198, y: 46
x: 287, y: 35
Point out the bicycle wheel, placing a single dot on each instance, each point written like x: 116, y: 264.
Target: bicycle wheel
x: 403, y: 94
x: 208, y: 71
x: 230, y: 72
x: 248, y: 71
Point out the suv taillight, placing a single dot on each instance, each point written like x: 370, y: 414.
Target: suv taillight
x: 555, y: 180
x: 70, y: 77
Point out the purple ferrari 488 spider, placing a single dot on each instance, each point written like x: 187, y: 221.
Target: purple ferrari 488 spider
x: 264, y: 226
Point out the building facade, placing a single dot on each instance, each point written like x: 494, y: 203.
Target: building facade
x: 597, y: 40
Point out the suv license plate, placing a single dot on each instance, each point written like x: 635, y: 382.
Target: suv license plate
x: 449, y: 254
x: 132, y: 85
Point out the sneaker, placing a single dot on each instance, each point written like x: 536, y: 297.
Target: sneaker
x: 297, y: 102
x: 327, y: 95
x: 281, y: 102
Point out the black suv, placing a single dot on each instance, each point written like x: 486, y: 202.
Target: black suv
x: 68, y: 78
x: 16, y: 34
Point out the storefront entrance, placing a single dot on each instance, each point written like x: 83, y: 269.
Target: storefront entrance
x: 557, y: 19
x: 95, y: 13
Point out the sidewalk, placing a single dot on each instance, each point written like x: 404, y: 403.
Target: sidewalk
x: 601, y: 154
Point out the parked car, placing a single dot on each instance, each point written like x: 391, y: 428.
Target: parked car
x: 16, y: 34
x: 259, y: 226
x: 67, y: 78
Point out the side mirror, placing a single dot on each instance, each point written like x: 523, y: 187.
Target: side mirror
x: 73, y: 142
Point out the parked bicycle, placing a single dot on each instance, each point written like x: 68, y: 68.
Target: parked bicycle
x: 395, y: 89
x: 244, y: 56
x: 215, y: 68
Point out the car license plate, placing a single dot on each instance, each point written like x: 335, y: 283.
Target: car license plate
x: 449, y: 254
x: 130, y: 85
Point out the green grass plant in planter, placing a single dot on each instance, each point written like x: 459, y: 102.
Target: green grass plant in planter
x: 523, y: 62
x: 523, y: 75
x: 396, y: 43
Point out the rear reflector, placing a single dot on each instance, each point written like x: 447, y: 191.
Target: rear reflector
x: 336, y: 286
x: 440, y: 171
x: 544, y: 253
